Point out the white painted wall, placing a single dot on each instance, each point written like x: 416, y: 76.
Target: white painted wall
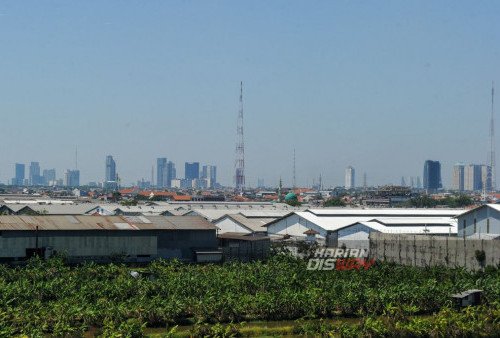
x: 227, y: 224
x: 294, y: 225
x: 481, y: 216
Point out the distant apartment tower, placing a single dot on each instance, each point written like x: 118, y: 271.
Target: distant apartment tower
x: 432, y: 176
x: 192, y: 170
x: 458, y: 177
x: 349, y: 178
x: 34, y: 178
x: 110, y: 172
x: 161, y: 172
x: 49, y: 175
x: 209, y: 173
x: 472, y: 177
x: 19, y: 177
x: 71, y: 178
x: 487, y: 178
x: 171, y: 173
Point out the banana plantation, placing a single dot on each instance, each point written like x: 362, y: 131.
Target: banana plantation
x: 49, y: 297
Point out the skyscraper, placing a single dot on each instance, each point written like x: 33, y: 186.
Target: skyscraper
x: 71, y: 178
x: 34, y: 178
x: 432, y: 176
x: 192, y: 170
x: 161, y: 172
x: 20, y: 171
x: 209, y: 172
x: 110, y: 169
x: 458, y: 177
x: 472, y: 177
x: 487, y: 178
x: 171, y: 173
x: 349, y: 178
x: 48, y: 176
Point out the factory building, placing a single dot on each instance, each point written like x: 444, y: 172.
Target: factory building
x: 102, y: 238
x: 337, y: 226
x: 481, y: 221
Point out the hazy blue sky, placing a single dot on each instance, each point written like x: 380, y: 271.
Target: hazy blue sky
x: 379, y: 85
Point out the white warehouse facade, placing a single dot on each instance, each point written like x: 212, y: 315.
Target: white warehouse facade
x: 481, y: 220
x: 350, y: 226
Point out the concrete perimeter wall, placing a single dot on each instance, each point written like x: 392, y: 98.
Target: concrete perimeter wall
x: 426, y: 250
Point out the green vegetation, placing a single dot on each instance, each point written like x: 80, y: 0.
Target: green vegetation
x: 293, y: 203
x: 50, y: 297
x: 334, y: 202
x: 426, y: 201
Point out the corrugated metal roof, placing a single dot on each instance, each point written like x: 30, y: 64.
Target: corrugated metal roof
x: 413, y: 229
x: 176, y: 223
x: 335, y: 222
x: 379, y: 212
x: 254, y: 224
x: 85, y: 222
x: 264, y: 213
x: 242, y: 237
x: 63, y: 209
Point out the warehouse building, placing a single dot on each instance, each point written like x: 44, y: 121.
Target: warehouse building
x: 337, y: 226
x: 480, y: 221
x: 102, y: 238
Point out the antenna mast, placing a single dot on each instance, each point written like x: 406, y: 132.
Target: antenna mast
x: 239, y: 177
x: 294, y: 181
x: 76, y: 158
x: 492, y: 142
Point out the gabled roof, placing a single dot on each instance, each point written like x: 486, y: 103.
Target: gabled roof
x: 389, y: 212
x: 252, y: 224
x: 414, y: 229
x: 493, y: 206
x: 87, y: 222
x: 339, y: 220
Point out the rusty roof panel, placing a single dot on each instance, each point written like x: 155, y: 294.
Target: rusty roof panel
x: 122, y: 223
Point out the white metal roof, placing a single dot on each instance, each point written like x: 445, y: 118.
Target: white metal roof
x: 413, y: 229
x: 254, y: 224
x: 378, y: 212
x: 336, y: 222
x: 264, y: 213
x: 416, y: 220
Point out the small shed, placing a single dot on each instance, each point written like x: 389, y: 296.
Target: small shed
x: 311, y: 235
x: 467, y: 298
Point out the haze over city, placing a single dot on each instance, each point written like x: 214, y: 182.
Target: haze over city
x: 379, y: 86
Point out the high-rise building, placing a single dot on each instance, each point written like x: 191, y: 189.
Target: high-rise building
x: 34, y: 178
x: 110, y: 169
x: 472, y: 177
x: 48, y: 176
x: 432, y: 176
x: 192, y: 170
x: 349, y: 178
x: 458, y: 177
x: 20, y: 171
x: 110, y: 173
x: 161, y: 172
x: 209, y: 173
x: 171, y: 173
x: 71, y: 178
x: 487, y: 177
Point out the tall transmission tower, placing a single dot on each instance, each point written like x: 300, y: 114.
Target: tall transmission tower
x: 492, y: 142
x: 294, y: 181
x: 239, y: 163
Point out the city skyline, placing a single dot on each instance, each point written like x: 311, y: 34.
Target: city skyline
x: 382, y: 87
